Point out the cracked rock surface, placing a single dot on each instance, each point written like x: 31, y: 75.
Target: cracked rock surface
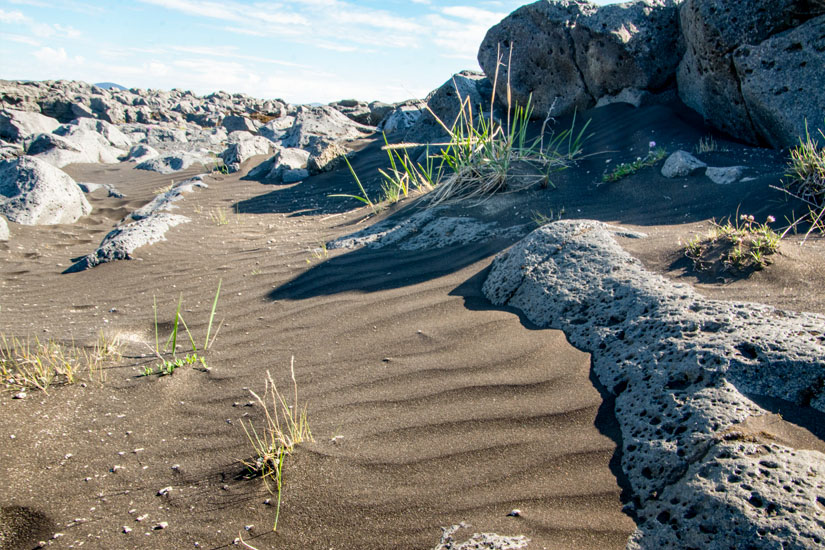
x: 681, y: 366
x: 426, y: 229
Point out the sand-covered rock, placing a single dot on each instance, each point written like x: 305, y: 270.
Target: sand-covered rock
x: 15, y: 126
x: 171, y: 163
x: 4, y: 229
x: 725, y: 175
x: 681, y: 367
x: 783, y: 83
x: 569, y: 53
x: 425, y: 230
x: 142, y: 227
x: 121, y: 242
x: 33, y: 192
x: 142, y: 152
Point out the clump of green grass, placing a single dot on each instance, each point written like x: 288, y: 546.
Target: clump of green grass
x: 167, y: 365
x: 739, y: 247
x: 364, y: 196
x: 285, y: 426
x: 654, y: 155
x: 488, y: 156
x: 805, y: 181
x: 27, y: 364
x: 540, y: 219
x: 481, y: 157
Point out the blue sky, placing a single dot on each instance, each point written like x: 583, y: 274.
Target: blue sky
x: 299, y: 50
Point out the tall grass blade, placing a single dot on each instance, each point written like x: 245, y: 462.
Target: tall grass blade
x: 212, y: 315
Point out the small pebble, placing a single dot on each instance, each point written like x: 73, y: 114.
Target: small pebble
x: 164, y: 491
x: 127, y: 529
x: 515, y: 512
x: 161, y: 525
x: 20, y: 395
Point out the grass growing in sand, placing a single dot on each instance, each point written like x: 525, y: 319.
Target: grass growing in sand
x: 654, y: 155
x: 741, y: 246
x: 482, y: 156
x: 285, y: 426
x: 167, y: 365
x: 805, y: 181
x: 33, y: 363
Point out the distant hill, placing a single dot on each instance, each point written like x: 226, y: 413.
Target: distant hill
x: 110, y: 85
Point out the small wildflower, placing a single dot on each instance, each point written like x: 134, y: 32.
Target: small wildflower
x: 771, y: 219
x: 652, y: 144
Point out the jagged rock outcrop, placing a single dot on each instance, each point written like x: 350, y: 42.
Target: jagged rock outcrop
x: 235, y: 123
x: 368, y: 114
x: 570, y: 53
x: 684, y: 370
x: 33, y: 192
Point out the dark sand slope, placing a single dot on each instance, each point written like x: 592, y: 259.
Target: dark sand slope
x: 428, y: 405
x: 441, y: 413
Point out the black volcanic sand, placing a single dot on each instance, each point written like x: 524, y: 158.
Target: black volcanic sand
x: 428, y: 405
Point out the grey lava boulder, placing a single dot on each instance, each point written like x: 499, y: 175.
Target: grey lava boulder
x: 783, y: 83
x: 713, y: 30
x: 171, y: 163
x: 570, y: 53
x: 243, y: 149
x: 33, y: 192
x: 15, y: 126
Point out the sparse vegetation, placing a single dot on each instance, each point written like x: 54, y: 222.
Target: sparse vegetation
x: 219, y: 216
x: 484, y: 155
x: 735, y: 247
x: 707, y: 145
x: 285, y: 426
x: 654, y: 155
x: 33, y: 363
x: 168, y: 365
x: 319, y: 253
x: 540, y: 218
x: 805, y: 181
x: 364, y: 196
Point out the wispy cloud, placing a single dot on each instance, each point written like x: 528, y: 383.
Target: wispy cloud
x: 70, y: 5
x: 37, y: 28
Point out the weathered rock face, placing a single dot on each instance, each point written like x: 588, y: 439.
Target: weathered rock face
x: 684, y: 370
x: 85, y: 140
x: 324, y: 132
x: 752, y: 68
x: 570, y: 53
x: 446, y: 103
x: 713, y: 30
x: 244, y: 149
x: 235, y: 123
x: 15, y: 126
x: 783, y: 83
x: 33, y: 192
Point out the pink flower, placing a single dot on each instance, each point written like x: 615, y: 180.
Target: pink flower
x: 771, y: 219
x: 652, y: 144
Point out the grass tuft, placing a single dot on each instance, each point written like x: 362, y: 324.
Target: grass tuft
x: 285, y: 426
x: 805, y: 181
x: 654, y: 155
x: 27, y: 364
x: 168, y: 365
x: 740, y: 246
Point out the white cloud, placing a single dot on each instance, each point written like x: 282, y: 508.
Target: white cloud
x: 12, y: 17
x: 21, y: 39
x: 37, y: 28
